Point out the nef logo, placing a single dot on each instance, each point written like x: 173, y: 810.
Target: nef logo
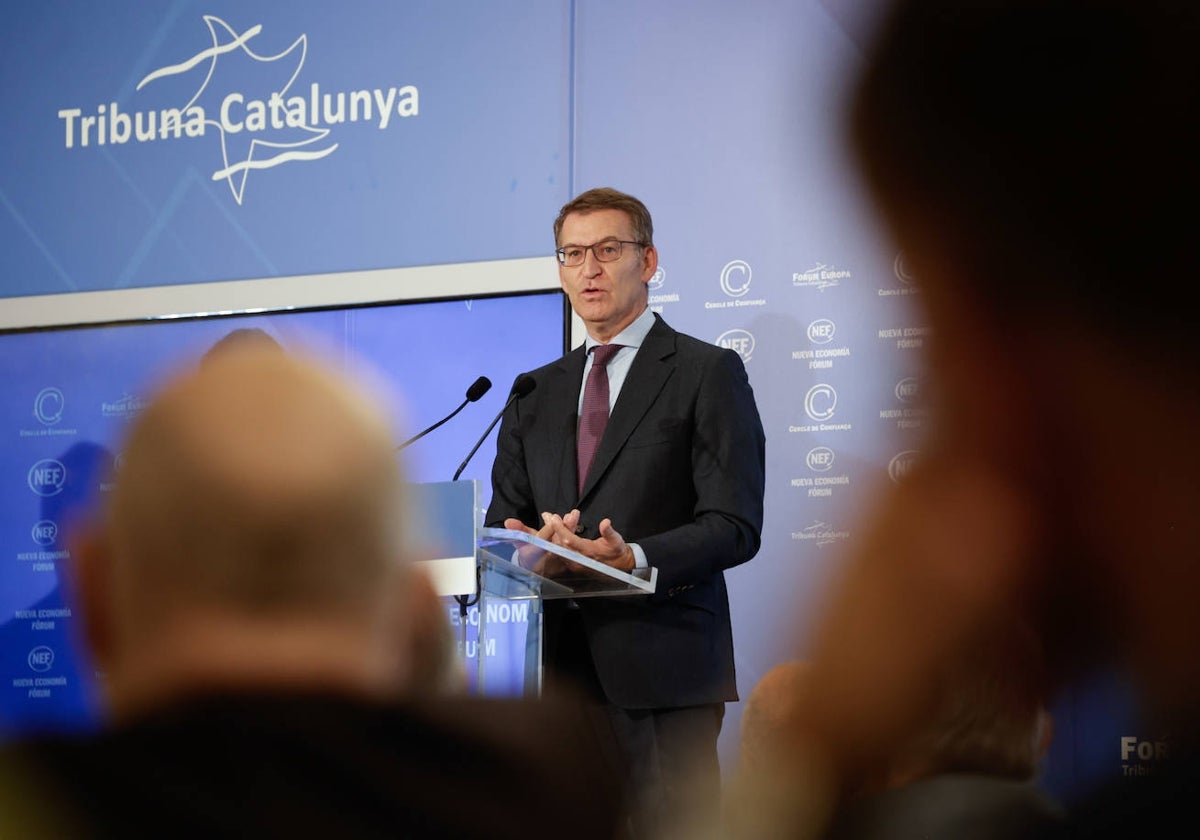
x: 41, y: 658
x: 821, y: 331
x: 735, y: 278
x: 901, y: 465
x: 819, y: 459
x: 45, y: 532
x: 48, y: 406
x: 47, y: 477
x: 908, y: 389
x: 820, y: 402
x: 739, y: 341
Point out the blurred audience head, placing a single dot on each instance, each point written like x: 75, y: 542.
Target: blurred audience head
x: 1037, y: 157
x: 242, y: 338
x: 767, y: 711
x: 253, y: 536
x: 989, y: 716
x: 1035, y: 161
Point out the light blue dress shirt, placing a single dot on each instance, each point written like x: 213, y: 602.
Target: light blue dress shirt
x: 631, y: 339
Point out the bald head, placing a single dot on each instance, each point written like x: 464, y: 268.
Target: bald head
x: 253, y: 537
x: 768, y: 711
x: 259, y: 482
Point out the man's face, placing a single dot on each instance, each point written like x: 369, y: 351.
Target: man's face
x: 608, y: 296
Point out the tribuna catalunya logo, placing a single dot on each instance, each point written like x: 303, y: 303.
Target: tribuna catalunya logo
x: 283, y: 123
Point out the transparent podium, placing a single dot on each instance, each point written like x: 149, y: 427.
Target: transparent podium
x: 515, y: 567
x: 507, y: 575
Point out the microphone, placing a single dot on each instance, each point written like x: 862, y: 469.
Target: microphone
x: 478, y: 388
x: 524, y: 384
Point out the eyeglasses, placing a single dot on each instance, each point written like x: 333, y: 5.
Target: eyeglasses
x: 607, y: 250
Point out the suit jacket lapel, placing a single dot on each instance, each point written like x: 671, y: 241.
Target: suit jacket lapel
x: 560, y: 402
x: 643, y: 383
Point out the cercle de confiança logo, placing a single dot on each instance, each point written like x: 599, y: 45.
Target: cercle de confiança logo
x: 285, y: 124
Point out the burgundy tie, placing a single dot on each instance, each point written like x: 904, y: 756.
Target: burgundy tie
x: 594, y: 415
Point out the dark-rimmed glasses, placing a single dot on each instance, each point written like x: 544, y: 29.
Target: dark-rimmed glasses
x: 606, y: 250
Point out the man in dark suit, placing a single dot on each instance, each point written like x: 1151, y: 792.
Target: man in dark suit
x: 675, y: 482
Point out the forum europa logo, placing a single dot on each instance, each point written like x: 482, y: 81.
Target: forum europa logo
x: 279, y: 122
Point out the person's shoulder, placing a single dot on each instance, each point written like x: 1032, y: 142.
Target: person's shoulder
x: 705, y: 349
x: 690, y: 346
x: 556, y: 365
x: 457, y: 766
x: 562, y: 750
x: 514, y: 725
x: 54, y: 785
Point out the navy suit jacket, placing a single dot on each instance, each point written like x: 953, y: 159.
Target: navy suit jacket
x: 680, y: 471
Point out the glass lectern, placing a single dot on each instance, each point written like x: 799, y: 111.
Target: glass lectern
x: 514, y: 573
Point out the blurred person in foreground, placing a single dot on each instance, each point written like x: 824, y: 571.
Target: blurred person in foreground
x: 968, y: 767
x: 247, y: 597
x: 1037, y: 162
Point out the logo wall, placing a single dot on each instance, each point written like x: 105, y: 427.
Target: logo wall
x: 282, y: 123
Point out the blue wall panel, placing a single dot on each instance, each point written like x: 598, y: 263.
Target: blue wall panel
x: 472, y: 171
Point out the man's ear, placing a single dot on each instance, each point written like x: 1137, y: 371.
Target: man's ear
x: 89, y: 582
x: 649, y: 262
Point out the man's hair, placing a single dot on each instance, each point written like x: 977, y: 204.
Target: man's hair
x: 606, y: 198
x: 1049, y: 144
x: 990, y: 716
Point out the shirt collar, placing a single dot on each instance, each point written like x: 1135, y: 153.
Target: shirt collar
x: 632, y: 336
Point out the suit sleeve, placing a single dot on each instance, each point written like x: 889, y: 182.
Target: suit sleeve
x: 728, y: 474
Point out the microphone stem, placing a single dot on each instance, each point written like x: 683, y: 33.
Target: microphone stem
x: 417, y: 437
x: 479, y: 443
